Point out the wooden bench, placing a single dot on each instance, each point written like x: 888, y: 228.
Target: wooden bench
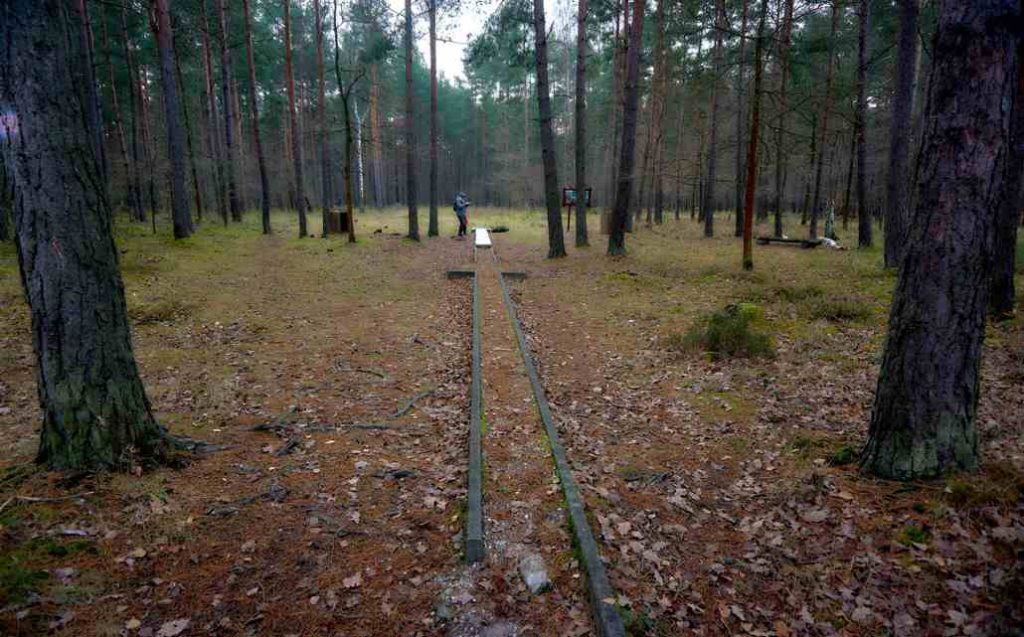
x: 803, y: 243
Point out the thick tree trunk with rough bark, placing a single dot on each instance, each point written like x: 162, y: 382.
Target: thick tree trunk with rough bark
x: 556, y: 241
x: 300, y: 193
x: 897, y: 200
x: 755, y: 134
x: 581, y: 124
x: 160, y: 23
x: 923, y: 422
x: 1003, y: 294
x: 254, y: 115
x: 816, y: 205
x: 410, y: 133
x: 6, y: 200
x: 95, y: 411
x: 863, y: 214
x: 624, y: 185
x: 708, y: 203
x: 234, y: 201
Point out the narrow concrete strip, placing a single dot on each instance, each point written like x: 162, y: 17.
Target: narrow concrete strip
x: 474, y: 507
x: 602, y: 598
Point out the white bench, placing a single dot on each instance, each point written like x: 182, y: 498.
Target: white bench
x: 481, y: 240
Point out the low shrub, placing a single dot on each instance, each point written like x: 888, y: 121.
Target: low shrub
x: 732, y: 332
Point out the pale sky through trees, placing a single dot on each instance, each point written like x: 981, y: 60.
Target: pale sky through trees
x: 454, y: 31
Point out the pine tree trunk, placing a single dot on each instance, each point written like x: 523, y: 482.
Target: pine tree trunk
x: 755, y: 134
x: 6, y: 201
x: 135, y: 186
x: 923, y: 422
x: 410, y: 133
x: 300, y: 193
x: 115, y: 105
x: 556, y: 242
x: 897, y: 200
x: 197, y: 196
x: 346, y: 95
x: 432, y: 222
x: 326, y: 173
x: 617, y: 91
x: 816, y: 207
x: 161, y: 25
x: 644, y: 165
x: 227, y: 101
x: 741, y: 120
x: 95, y: 411
x: 214, y: 150
x: 581, y: 125
x: 1003, y: 294
x: 94, y: 111
x: 708, y: 204
x: 376, y: 143
x: 864, y: 238
x: 147, y: 148
x: 780, y: 134
x: 849, y: 178
x: 624, y: 186
x: 254, y: 115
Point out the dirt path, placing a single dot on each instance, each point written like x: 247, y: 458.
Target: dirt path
x: 524, y: 512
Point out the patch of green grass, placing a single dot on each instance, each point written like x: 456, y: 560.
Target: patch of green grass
x: 844, y: 455
x: 738, y: 444
x: 17, y: 579
x: 914, y: 534
x: 838, y: 310
x: 20, y: 572
x: 796, y: 293
x: 733, y: 332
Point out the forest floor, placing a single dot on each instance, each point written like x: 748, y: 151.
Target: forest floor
x: 724, y: 494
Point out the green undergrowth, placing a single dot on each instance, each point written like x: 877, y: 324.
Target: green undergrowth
x: 838, y: 309
x: 23, y: 571
x: 734, y: 332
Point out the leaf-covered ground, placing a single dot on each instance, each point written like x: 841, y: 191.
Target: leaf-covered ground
x: 724, y: 493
